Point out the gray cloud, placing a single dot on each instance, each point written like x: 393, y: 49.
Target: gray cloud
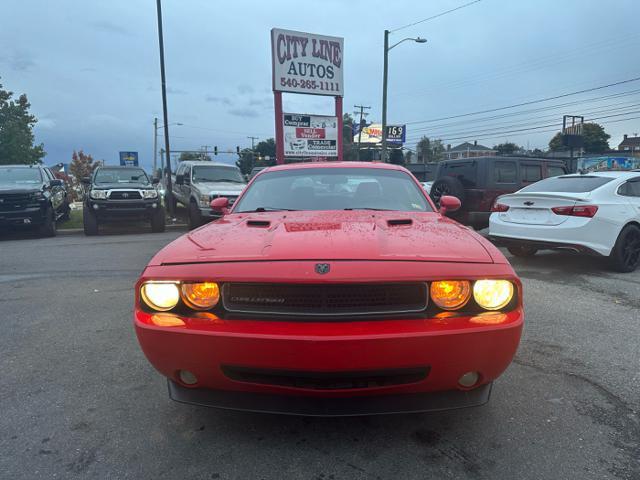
x: 220, y: 100
x: 244, y: 112
x: 110, y: 27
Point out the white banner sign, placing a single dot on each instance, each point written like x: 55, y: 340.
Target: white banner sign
x: 310, y: 135
x: 306, y: 63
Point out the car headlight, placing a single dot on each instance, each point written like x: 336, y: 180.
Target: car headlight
x: 450, y: 294
x: 201, y: 296
x: 149, y: 194
x: 205, y: 200
x: 493, y: 294
x: 38, y: 196
x: 160, y: 296
x: 98, y: 194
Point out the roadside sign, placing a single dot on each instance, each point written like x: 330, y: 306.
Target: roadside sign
x: 396, y: 134
x: 307, y: 63
x: 129, y: 159
x: 310, y: 135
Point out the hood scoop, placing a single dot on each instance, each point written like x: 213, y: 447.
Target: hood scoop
x: 398, y: 222
x: 258, y: 223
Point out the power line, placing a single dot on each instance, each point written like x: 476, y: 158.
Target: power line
x: 531, y: 102
x: 434, y: 16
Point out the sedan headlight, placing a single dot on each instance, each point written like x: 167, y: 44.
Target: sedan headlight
x: 98, y: 194
x: 160, y: 296
x: 149, y: 194
x: 493, y: 294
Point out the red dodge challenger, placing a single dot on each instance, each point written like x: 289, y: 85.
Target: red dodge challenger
x: 330, y: 289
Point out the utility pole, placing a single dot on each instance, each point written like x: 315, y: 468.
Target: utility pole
x: 205, y: 150
x: 252, y: 140
x: 383, y: 153
x: 164, y: 109
x: 155, y: 145
x: 362, y: 114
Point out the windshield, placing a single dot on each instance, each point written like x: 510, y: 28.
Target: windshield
x: 574, y: 184
x: 334, y: 189
x: 216, y: 174
x: 121, y: 175
x: 20, y: 175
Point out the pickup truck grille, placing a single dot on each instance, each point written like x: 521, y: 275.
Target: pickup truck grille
x: 324, y: 300
x: 13, y: 202
x: 125, y: 195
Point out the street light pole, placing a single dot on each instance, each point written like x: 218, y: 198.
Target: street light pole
x: 385, y: 75
x: 383, y: 153
x: 164, y: 110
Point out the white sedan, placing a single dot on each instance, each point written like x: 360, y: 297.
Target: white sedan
x: 597, y: 213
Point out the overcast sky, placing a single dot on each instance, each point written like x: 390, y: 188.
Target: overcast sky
x: 91, y: 70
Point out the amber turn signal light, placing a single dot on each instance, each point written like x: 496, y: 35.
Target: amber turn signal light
x: 201, y: 296
x: 450, y: 294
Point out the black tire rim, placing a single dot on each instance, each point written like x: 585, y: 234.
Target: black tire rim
x: 439, y: 191
x: 631, y: 249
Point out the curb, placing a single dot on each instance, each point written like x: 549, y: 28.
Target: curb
x: 75, y: 231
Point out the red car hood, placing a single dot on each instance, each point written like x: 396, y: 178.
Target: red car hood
x: 328, y: 235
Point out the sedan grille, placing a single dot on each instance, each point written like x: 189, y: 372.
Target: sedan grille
x: 125, y: 195
x: 322, y: 300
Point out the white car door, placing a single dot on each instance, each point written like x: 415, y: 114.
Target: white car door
x: 631, y: 191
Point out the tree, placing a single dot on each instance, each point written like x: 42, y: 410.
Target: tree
x: 595, y: 139
x: 263, y: 149
x: 82, y: 165
x: 395, y: 156
x: 429, y: 151
x: 507, y: 148
x: 408, y: 155
x: 194, y: 156
x: 349, y: 148
x: 246, y: 161
x: 16, y: 131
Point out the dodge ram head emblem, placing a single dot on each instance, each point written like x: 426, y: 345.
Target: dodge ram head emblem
x: 322, y: 268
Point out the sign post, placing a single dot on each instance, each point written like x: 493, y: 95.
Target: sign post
x: 311, y: 64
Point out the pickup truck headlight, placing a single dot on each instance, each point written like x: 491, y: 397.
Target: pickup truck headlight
x: 98, y: 194
x: 38, y: 196
x: 205, y: 200
x: 149, y: 194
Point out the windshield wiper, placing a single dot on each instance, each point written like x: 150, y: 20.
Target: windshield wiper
x: 229, y: 180
x: 269, y: 209
x: 370, y: 208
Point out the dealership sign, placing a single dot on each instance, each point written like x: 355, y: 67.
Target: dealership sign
x: 396, y: 134
x: 310, y: 135
x: 307, y: 63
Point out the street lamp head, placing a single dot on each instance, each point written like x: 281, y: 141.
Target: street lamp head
x: 420, y: 40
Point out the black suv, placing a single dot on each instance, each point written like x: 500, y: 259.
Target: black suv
x: 117, y: 193
x: 31, y: 196
x: 477, y: 182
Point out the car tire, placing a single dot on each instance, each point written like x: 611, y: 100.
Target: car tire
x: 158, y: 221
x: 522, y: 251
x: 625, y: 256
x: 48, y: 227
x: 90, y: 222
x: 447, y: 186
x: 195, y: 219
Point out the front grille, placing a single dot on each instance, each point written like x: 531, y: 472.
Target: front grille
x: 12, y: 202
x: 125, y: 195
x: 327, y: 380
x: 334, y: 299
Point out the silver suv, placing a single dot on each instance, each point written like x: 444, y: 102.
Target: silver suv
x: 197, y: 183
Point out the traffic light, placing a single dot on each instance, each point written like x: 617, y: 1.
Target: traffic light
x: 238, y: 150
x: 215, y: 150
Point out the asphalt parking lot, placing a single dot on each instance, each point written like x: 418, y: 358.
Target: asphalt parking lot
x: 79, y: 400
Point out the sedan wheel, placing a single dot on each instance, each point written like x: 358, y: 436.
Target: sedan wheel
x: 625, y: 255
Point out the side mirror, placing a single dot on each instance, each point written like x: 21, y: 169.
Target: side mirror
x: 220, y: 205
x: 448, y: 204
x: 56, y: 182
x: 180, y: 179
x: 86, y: 180
x: 155, y: 181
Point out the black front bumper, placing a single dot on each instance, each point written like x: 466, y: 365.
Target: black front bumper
x: 27, y: 217
x: 331, y: 407
x: 105, y: 209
